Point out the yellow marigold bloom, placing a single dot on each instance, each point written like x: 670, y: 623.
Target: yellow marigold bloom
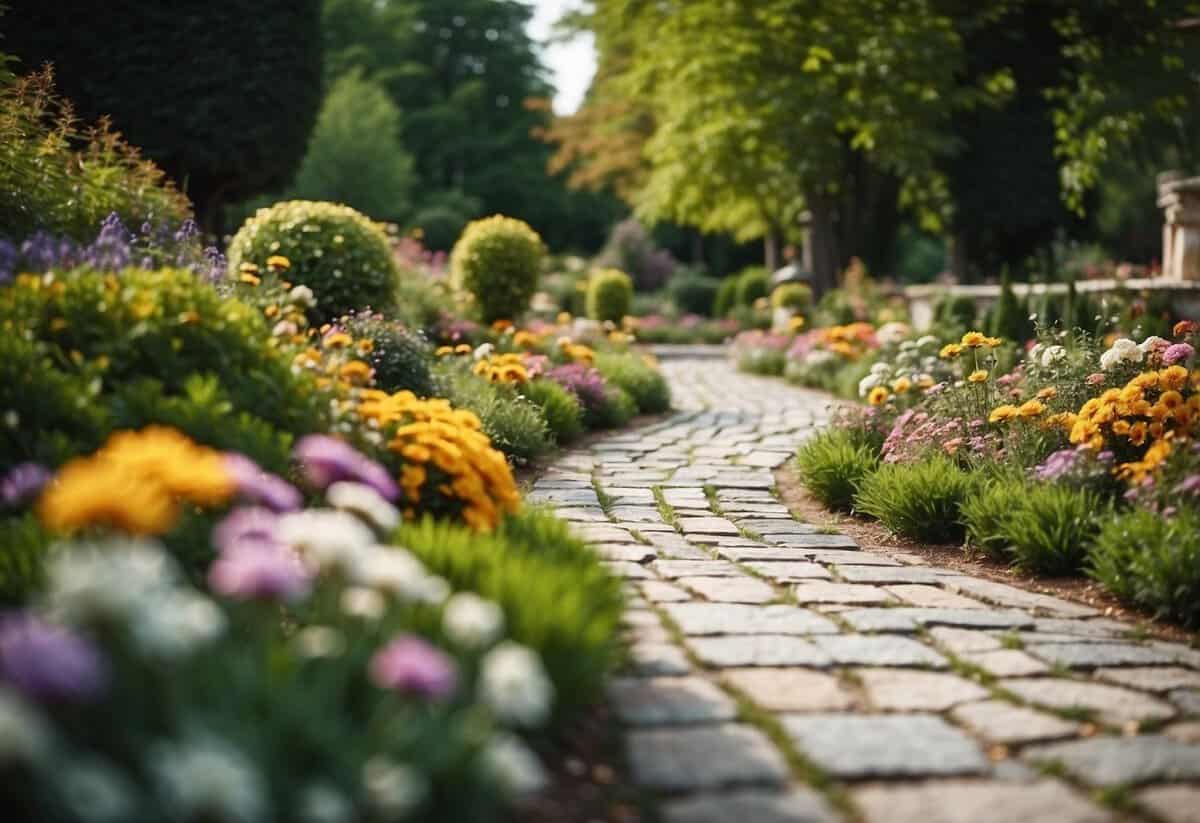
x: 526, y: 339
x: 1063, y: 420
x: 1001, y: 414
x: 1121, y: 427
x: 337, y: 340
x: 796, y: 323
x: 974, y: 339
x: 278, y: 262
x: 1031, y: 408
x: 251, y: 279
x: 1156, y: 429
x: 248, y: 268
x: 463, y: 348
x: 878, y: 396
x: 365, y: 346
x: 90, y: 492
x: 442, y: 351
x: 1047, y: 393
x: 978, y: 376
x: 1145, y: 380
x: 356, y: 371
x: 1170, y: 400
x: 1130, y: 393
x: 1173, y: 377
x: 1159, y: 412
x: 950, y: 351
x: 901, y: 385
x: 993, y: 342
x: 926, y: 381
x: 1137, y: 433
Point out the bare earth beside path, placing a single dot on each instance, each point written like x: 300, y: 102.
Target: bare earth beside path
x: 784, y: 672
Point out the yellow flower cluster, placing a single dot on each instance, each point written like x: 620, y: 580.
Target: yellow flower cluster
x: 576, y: 352
x: 502, y: 368
x: 1028, y: 410
x: 524, y: 339
x: 446, y: 455
x: 849, y: 341
x: 337, y: 361
x: 135, y: 483
x: 446, y: 351
x: 970, y: 340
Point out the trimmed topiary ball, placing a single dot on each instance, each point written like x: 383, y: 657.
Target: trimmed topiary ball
x: 609, y: 296
x: 498, y: 259
x: 334, y: 250
x: 794, y: 296
x: 726, y: 298
x: 754, y: 282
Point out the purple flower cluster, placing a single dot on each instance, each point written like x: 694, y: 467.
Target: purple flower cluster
x: 411, y: 665
x: 48, y: 662
x: 325, y: 460
x: 252, y: 563
x: 916, y: 433
x: 456, y: 329
x: 1178, y: 353
x: 582, y: 381
x: 1078, y: 466
x: 23, y: 483
x: 263, y: 488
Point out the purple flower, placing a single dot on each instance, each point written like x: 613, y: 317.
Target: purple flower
x: 258, y: 486
x: 259, y: 571
x: 582, y: 381
x: 1189, y: 485
x: 247, y: 525
x: 325, y: 460
x: 410, y: 664
x: 1056, y: 465
x: 1178, y: 353
x: 23, y: 483
x: 48, y: 662
x: 8, y: 260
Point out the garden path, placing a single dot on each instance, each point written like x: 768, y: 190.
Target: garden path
x: 781, y: 674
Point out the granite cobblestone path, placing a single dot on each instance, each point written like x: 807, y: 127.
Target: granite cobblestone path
x: 780, y: 674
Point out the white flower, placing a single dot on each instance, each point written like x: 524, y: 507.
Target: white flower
x: 908, y: 346
x: 323, y: 803
x: 326, y: 538
x: 483, y: 351
x: 881, y: 368
x: 514, y: 685
x: 513, y: 765
x: 1052, y: 355
x: 174, y: 623
x: 392, y: 788
x: 393, y: 570
x: 302, y: 296
x: 1035, y: 352
x: 1152, y: 342
x: 284, y: 328
x: 365, y: 502
x: 319, y: 641
x: 360, y: 601
x: 95, y: 792
x: 892, y: 333
x: 1122, y: 351
x: 927, y: 340
x: 869, y: 382
x: 471, y: 621
x: 208, y: 779
x: 108, y: 580
x: 24, y: 736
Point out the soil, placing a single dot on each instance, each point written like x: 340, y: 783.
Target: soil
x: 872, y: 536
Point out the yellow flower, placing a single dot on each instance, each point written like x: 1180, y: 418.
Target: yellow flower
x: 1121, y: 427
x: 878, y: 396
x: 1145, y: 380
x: 1137, y: 433
x: 248, y: 268
x: 950, y: 351
x: 252, y: 279
x: 563, y: 318
x: 1001, y: 414
x: 278, y: 262
x: 974, y: 339
x: 978, y: 376
x: 442, y: 351
x: 993, y: 342
x: 1170, y: 400
x: 1031, y: 408
x: 1173, y: 377
x: 463, y: 348
x: 901, y: 385
x: 525, y: 339
x: 796, y: 323
x: 356, y: 371
x: 89, y: 492
x: 502, y: 325
x: 1047, y: 393
x: 337, y: 340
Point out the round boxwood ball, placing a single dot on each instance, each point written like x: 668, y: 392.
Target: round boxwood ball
x: 609, y: 296
x: 334, y: 250
x: 498, y: 260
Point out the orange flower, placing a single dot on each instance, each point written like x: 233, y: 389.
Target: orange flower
x: 1047, y: 393
x: 978, y: 376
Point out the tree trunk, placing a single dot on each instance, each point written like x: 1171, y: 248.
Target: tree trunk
x: 825, y: 254
x: 771, y: 249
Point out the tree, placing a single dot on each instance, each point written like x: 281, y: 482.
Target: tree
x: 222, y: 94
x: 355, y: 155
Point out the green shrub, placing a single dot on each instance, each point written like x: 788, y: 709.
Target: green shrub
x: 985, y: 513
x: 1152, y: 562
x: 401, y: 358
x: 440, y: 226
x: 753, y: 282
x: 1009, y: 318
x: 498, y: 260
x: 23, y: 545
x: 726, y: 298
x: 832, y: 464
x: 515, y: 425
x: 769, y: 362
x: 1052, y: 529
x: 917, y: 500
x: 337, y: 252
x: 616, y: 411
x: 692, y: 292
x: 644, y: 384
x: 957, y: 311
x: 609, y: 295
x: 559, y: 407
x: 557, y: 597
x: 794, y: 296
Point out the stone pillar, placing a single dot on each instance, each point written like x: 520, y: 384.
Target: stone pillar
x: 1179, y: 198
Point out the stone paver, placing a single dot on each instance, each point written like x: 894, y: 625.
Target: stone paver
x: 849, y: 649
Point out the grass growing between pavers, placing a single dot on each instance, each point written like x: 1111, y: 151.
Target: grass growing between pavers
x: 665, y: 510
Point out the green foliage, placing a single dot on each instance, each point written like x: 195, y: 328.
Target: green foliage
x: 1009, y: 318
x: 643, y: 383
x: 765, y: 361
x: 557, y: 597
x: 440, y: 226
x: 98, y: 351
x: 401, y: 358
x: 559, y: 407
x: 609, y: 296
x: 23, y: 545
x: 222, y: 95
x: 421, y: 302
x: 1152, y: 562
x: 985, y: 513
x: 754, y: 282
x: 693, y: 293
x: 337, y: 252
x: 795, y: 296
x: 726, y: 297
x: 617, y: 410
x: 498, y: 260
x: 832, y: 465
x: 957, y: 312
x: 515, y: 425
x: 1051, y: 530
x: 917, y: 500
x: 59, y: 177
x: 355, y: 156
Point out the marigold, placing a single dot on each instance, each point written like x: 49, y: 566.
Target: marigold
x: 950, y: 351
x: 978, y: 376
x: 974, y: 339
x: 1173, y: 377
x: 1047, y: 393
x: 1002, y: 414
x: 1121, y: 427
x: 463, y: 348
x: 442, y: 351
x: 1137, y: 433
x: 878, y: 396
x: 355, y: 371
x: 278, y: 262
x: 901, y: 385
x: 1031, y: 408
x: 796, y: 323
x: 336, y: 340
x: 993, y: 342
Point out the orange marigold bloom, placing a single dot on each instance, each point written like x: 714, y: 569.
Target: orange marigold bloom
x: 1173, y: 377
x: 1047, y: 393
x: 878, y: 396
x: 978, y: 376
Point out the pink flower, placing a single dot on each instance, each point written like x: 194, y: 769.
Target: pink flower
x: 411, y: 665
x: 1178, y: 353
x: 1095, y: 379
x: 259, y: 571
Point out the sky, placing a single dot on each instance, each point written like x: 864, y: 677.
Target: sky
x: 571, y: 64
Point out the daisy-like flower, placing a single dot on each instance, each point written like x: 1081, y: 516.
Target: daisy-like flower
x: 471, y: 621
x: 514, y: 685
x: 978, y: 376
x: 365, y: 502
